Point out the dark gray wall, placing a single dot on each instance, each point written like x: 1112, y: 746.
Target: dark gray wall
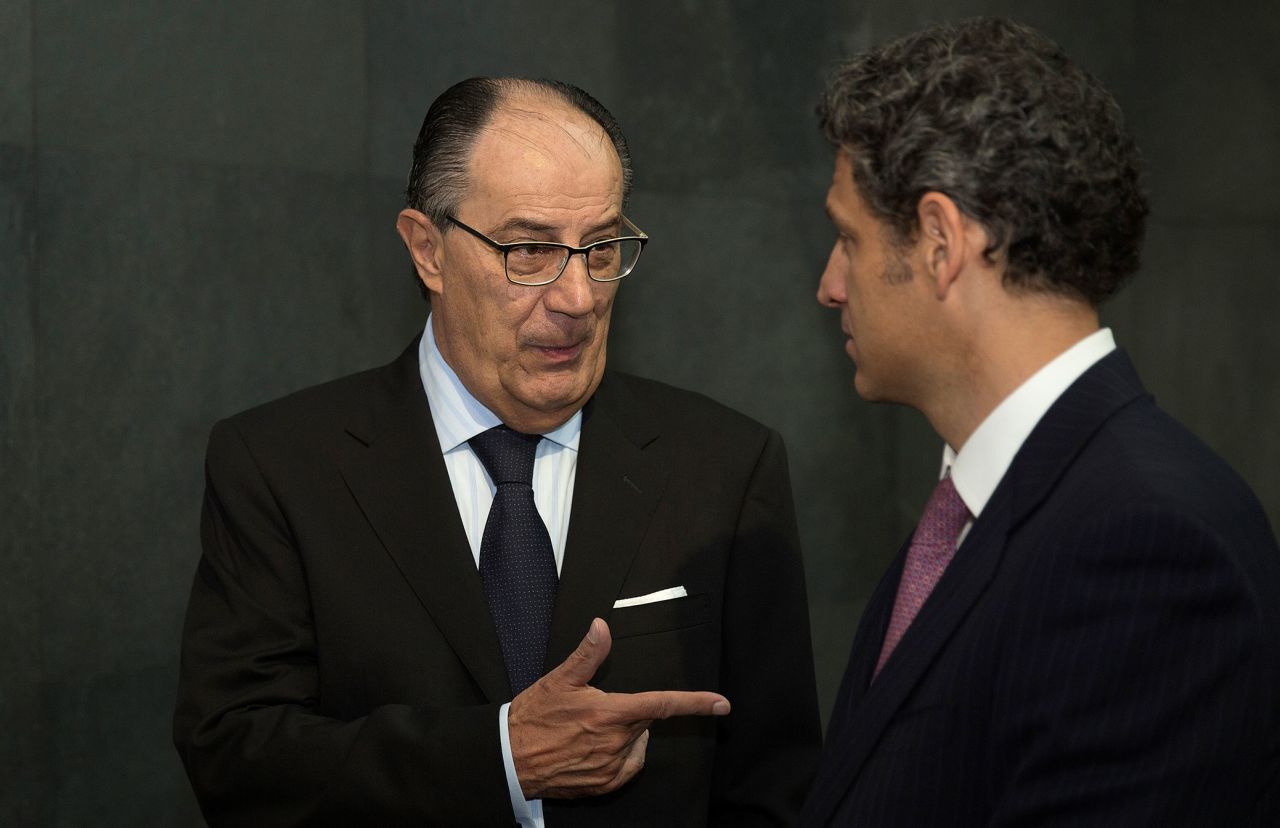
x: 196, y: 207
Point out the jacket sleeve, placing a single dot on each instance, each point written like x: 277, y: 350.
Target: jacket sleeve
x: 767, y: 749
x: 249, y: 724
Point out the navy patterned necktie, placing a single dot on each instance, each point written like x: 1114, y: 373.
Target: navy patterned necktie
x: 516, y: 562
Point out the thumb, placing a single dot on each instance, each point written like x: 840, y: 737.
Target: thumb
x: 581, y: 665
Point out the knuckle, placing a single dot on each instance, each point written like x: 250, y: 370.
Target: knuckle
x: 615, y: 781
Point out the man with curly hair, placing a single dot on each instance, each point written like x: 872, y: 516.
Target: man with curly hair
x: 1085, y: 625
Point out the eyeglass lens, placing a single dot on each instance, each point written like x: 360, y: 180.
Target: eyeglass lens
x: 541, y: 263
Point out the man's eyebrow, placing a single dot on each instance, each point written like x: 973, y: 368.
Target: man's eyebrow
x: 525, y: 224
x: 528, y: 225
x: 614, y: 224
x: 840, y: 226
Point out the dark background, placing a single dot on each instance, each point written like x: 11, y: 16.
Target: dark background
x: 196, y: 215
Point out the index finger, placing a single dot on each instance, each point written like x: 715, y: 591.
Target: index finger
x: 664, y: 704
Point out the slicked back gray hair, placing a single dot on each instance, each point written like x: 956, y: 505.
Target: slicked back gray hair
x: 994, y: 115
x: 438, y: 179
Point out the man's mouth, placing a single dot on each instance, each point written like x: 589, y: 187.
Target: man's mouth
x: 560, y: 353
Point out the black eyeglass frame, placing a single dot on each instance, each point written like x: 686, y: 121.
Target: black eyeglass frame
x: 504, y: 248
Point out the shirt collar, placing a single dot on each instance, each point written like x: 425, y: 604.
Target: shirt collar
x: 980, y: 464
x: 459, y: 416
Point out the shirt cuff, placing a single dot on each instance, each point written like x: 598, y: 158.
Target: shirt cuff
x: 528, y: 811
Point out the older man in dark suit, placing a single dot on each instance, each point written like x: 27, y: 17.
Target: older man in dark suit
x: 1084, y: 628
x: 396, y: 562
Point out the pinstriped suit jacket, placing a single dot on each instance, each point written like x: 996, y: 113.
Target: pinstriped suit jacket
x: 1103, y: 650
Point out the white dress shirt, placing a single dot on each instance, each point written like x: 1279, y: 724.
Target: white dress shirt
x: 458, y: 417
x: 982, y: 462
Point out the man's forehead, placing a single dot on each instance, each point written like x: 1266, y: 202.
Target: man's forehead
x: 844, y: 165
x: 841, y: 186
x: 532, y: 125
x: 543, y: 161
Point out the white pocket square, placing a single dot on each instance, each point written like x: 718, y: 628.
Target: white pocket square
x: 652, y: 597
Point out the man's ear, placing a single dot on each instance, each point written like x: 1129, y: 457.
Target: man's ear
x: 945, y: 241
x: 425, y: 244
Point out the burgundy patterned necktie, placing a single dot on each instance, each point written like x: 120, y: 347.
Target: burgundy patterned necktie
x: 517, y: 565
x: 932, y: 546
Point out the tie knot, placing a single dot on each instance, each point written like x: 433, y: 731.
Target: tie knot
x: 507, y: 455
x: 944, y: 515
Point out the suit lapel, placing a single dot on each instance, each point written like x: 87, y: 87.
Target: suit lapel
x: 1065, y: 428
x: 870, y: 709
x: 397, y: 475
x: 1103, y: 390
x: 616, y: 489
x: 869, y: 637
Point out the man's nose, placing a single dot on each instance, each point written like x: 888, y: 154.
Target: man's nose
x: 571, y: 294
x: 831, y: 290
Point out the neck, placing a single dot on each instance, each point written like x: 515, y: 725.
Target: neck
x: 1004, y: 350
x: 532, y: 421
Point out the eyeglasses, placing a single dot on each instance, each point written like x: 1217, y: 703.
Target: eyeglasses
x: 541, y: 263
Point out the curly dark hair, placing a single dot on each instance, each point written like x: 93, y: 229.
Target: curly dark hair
x: 994, y: 115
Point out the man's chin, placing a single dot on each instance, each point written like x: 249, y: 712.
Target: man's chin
x: 553, y: 397
x: 867, y: 387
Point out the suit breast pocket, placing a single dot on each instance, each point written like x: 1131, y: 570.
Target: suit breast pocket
x: 660, y: 616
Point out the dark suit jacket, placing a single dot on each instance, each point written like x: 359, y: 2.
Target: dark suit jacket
x: 339, y: 662
x: 1104, y: 648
